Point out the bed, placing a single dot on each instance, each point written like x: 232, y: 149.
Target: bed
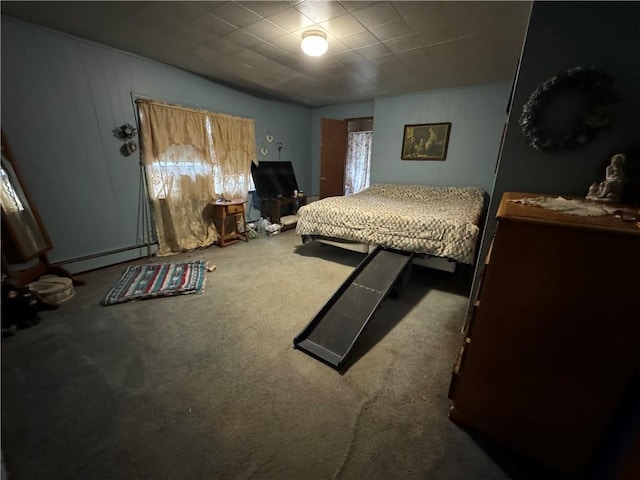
x: 440, y: 222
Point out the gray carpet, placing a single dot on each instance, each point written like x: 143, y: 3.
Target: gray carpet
x: 209, y: 386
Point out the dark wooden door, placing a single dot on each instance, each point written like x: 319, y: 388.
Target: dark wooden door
x: 333, y: 152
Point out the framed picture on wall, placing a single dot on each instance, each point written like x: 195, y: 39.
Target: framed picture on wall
x: 426, y: 141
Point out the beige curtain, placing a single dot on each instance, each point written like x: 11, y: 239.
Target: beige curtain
x: 191, y: 157
x: 177, y: 157
x: 235, y: 148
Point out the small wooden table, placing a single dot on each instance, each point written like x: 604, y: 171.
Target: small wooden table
x: 224, y: 211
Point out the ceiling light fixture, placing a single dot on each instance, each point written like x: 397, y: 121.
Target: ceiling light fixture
x: 314, y: 43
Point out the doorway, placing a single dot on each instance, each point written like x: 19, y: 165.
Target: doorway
x: 345, y: 155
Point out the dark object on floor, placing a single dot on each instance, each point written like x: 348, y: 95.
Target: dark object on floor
x: 19, y: 309
x: 332, y: 333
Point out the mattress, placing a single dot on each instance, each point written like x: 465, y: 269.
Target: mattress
x: 438, y: 221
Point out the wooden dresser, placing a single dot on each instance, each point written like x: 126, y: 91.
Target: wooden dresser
x: 555, y: 334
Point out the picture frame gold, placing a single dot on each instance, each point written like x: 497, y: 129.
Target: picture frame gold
x: 426, y: 141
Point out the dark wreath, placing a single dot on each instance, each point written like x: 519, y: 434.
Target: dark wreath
x: 597, y: 86
x: 125, y: 132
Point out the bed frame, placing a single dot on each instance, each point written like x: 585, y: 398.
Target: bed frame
x: 424, y: 260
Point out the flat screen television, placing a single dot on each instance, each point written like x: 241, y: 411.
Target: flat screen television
x: 274, y: 179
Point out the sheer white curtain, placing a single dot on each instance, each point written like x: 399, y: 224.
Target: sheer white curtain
x: 356, y: 174
x: 186, y: 169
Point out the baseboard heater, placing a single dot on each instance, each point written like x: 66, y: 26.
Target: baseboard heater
x: 333, y: 332
x: 104, y: 254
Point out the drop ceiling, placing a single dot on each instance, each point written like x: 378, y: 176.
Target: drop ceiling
x: 375, y: 48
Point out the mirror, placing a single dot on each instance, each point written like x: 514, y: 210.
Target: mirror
x: 23, y: 235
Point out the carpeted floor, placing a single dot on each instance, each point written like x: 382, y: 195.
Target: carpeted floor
x: 209, y: 386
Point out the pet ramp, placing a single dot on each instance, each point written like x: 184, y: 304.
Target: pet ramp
x: 333, y: 332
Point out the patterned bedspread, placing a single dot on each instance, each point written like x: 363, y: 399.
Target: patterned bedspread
x: 439, y: 221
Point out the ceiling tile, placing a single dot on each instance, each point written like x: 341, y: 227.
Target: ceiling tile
x: 390, y: 64
x: 205, y: 6
x: 288, y: 61
x: 342, y: 25
x: 436, y: 35
x: 331, y: 75
x: 249, y: 57
x: 70, y: 15
x: 416, y: 60
x: 320, y: 10
x: 284, y: 75
x: 336, y: 46
x: 404, y: 44
x: 447, y: 55
x: 392, y: 30
x: 360, y: 39
x: 290, y: 20
x: 224, y: 47
x: 268, y: 50
x: 373, y: 51
x: 428, y: 9
x: 205, y: 53
x: 421, y: 22
x: 212, y: 24
x: 242, y: 38
x: 194, y: 35
x: 156, y: 19
x: 264, y: 29
x: 264, y: 9
x: 316, y: 65
x: 348, y: 58
x: 179, y: 11
x: 355, y: 5
x: 261, y: 67
x: 367, y: 70
x: 377, y: 14
x: 236, y: 14
x: 288, y: 42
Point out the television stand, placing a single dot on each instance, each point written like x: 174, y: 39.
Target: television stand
x: 276, y: 207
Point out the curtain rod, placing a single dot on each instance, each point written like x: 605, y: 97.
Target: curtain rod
x: 187, y: 109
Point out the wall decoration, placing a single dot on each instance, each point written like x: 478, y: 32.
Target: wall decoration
x: 588, y: 95
x: 279, y: 146
x: 264, y: 150
x: 130, y: 147
x: 268, y: 137
x: 426, y: 141
x: 126, y: 133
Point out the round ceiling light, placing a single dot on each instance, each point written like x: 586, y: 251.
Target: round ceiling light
x: 314, y: 43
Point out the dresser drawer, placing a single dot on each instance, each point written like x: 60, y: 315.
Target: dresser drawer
x: 235, y: 209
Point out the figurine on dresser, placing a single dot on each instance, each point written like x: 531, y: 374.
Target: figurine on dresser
x: 610, y: 189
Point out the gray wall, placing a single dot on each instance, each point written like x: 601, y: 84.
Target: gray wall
x: 477, y: 115
x: 61, y: 98
x: 562, y: 35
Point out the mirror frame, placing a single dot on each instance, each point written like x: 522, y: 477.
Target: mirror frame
x: 12, y: 248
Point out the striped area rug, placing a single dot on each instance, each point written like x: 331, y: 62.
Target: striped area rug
x: 141, y: 282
